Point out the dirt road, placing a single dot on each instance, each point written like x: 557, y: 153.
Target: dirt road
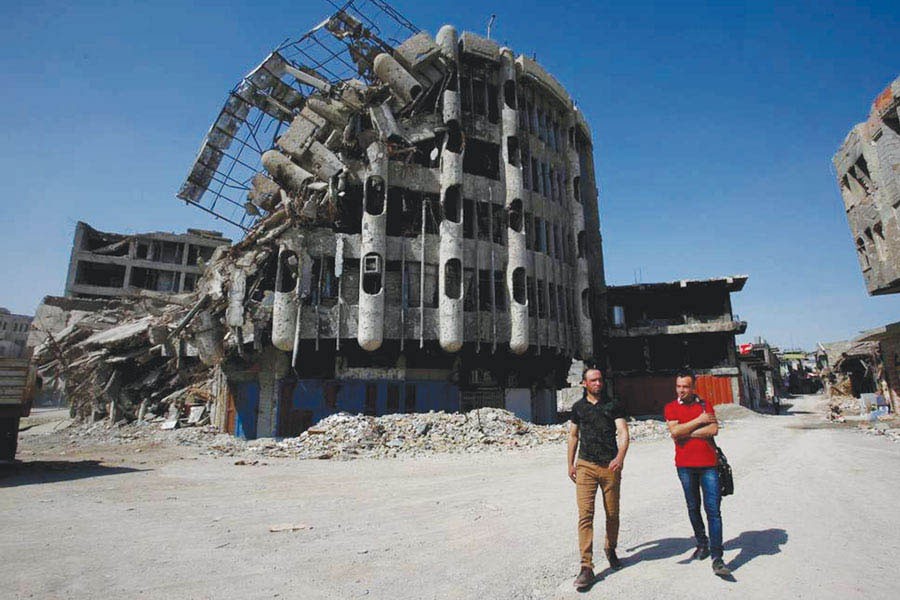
x: 813, y: 517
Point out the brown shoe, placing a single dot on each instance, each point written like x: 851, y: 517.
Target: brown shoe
x: 585, y: 578
x: 614, y: 561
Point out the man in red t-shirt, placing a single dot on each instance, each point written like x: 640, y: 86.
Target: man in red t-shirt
x: 692, y: 423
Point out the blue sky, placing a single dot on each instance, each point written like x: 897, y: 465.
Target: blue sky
x: 713, y: 128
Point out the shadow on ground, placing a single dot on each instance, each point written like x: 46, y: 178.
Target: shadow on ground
x: 51, y: 471
x: 749, y: 545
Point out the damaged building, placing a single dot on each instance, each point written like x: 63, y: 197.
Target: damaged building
x: 105, y: 265
x: 421, y: 233
x: 656, y: 329
x: 868, y: 174
x: 13, y: 333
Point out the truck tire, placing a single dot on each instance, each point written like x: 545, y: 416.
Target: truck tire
x: 9, y: 437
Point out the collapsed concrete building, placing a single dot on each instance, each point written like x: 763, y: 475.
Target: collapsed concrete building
x: 422, y: 233
x: 106, y: 265
x: 761, y: 380
x: 656, y: 329
x: 868, y: 173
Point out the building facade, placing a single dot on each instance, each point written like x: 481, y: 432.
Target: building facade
x: 446, y: 253
x: 761, y: 380
x: 111, y: 264
x: 868, y: 173
x: 656, y: 329
x: 13, y: 333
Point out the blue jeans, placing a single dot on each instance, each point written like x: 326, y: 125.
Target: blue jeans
x: 693, y: 479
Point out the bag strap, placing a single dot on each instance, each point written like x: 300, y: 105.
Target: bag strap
x: 712, y: 439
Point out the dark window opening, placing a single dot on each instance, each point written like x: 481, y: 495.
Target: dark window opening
x: 892, y: 120
x: 509, y: 93
x: 512, y: 150
x: 520, y: 294
x: 526, y: 169
x: 529, y: 231
x: 452, y: 278
x: 535, y: 176
x: 394, y: 223
x: 586, y: 303
x: 286, y: 277
x: 532, y: 304
x: 143, y: 248
x: 482, y: 158
x: 372, y: 273
x: 413, y: 286
x: 465, y: 89
x: 514, y: 215
x: 483, y: 217
x: 155, y: 280
x: 452, y: 203
x: 324, y: 282
x: 498, y: 225
x: 541, y: 299
x: 375, y: 194
x: 581, y: 239
x: 493, y: 99
x: 468, y: 218
x: 484, y: 290
x: 100, y: 274
x: 469, y: 292
x: 349, y: 218
x: 576, y: 188
x: 190, y: 282
x: 479, y: 97
x: 540, y: 235
x: 553, y: 302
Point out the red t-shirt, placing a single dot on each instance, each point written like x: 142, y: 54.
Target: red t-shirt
x: 692, y: 452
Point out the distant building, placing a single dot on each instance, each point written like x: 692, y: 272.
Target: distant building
x: 868, y: 172
x: 655, y: 329
x: 111, y: 264
x: 761, y: 380
x: 888, y: 371
x: 13, y: 333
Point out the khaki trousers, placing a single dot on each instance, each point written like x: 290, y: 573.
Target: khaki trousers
x: 588, y: 477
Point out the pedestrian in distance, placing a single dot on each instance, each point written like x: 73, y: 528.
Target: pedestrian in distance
x: 598, y: 434
x: 692, y: 424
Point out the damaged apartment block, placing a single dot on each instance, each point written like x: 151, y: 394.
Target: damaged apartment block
x: 657, y: 329
x: 422, y: 230
x: 110, y: 264
x: 868, y: 173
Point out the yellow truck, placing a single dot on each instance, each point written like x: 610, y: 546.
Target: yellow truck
x: 16, y: 386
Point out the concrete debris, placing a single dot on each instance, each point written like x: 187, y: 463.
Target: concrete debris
x: 344, y: 437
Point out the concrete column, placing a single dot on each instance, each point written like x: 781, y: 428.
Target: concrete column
x: 576, y: 210
x: 373, y: 248
x: 450, y: 251
x: 284, y: 309
x: 517, y: 256
x: 273, y: 366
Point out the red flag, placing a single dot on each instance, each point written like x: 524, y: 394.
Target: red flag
x: 745, y: 348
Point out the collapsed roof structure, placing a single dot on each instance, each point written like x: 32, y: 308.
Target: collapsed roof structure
x: 421, y: 225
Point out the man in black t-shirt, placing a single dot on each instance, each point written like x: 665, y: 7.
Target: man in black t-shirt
x: 600, y: 434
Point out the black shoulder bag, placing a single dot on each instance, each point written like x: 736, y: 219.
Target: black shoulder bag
x: 726, y: 479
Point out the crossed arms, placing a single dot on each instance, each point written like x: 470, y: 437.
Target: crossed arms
x: 704, y: 426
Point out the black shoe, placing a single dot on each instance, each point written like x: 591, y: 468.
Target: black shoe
x: 700, y: 553
x: 614, y: 561
x: 719, y: 568
x: 585, y: 578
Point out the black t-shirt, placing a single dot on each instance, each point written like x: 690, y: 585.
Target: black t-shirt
x: 597, y: 429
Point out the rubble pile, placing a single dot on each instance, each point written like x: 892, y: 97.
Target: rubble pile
x: 113, y: 363
x: 343, y: 436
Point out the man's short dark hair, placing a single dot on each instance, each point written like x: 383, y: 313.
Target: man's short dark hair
x: 686, y: 373
x: 592, y: 368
